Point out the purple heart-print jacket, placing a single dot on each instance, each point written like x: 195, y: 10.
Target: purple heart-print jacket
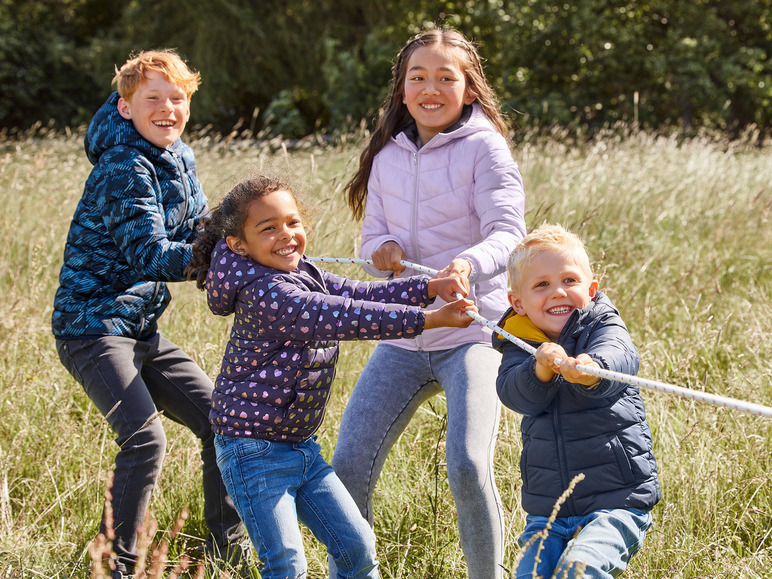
x: 279, y: 363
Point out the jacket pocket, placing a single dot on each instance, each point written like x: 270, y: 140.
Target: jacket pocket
x: 623, y: 461
x: 524, y: 464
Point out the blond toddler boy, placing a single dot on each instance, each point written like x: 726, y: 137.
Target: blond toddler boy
x: 574, y: 422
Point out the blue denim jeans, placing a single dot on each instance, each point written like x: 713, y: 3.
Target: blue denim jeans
x: 604, y: 541
x: 276, y: 484
x: 129, y: 381
x: 393, y: 384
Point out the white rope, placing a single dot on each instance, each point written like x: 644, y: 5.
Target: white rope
x: 599, y: 372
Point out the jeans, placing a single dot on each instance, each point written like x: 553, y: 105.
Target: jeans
x: 393, y: 384
x: 276, y: 484
x: 604, y: 541
x: 129, y: 381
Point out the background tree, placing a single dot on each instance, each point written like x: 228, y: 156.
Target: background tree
x: 299, y: 66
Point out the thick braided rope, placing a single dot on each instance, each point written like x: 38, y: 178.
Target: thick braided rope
x: 714, y: 399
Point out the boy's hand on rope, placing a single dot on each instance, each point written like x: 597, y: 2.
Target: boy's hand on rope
x: 569, y: 371
x: 552, y: 359
x: 388, y: 256
x: 448, y: 287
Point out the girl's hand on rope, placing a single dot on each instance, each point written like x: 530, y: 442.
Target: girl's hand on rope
x: 452, y: 315
x: 388, y: 256
x: 448, y: 287
x: 459, y: 267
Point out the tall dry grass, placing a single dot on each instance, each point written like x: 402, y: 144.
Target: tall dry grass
x: 681, y: 237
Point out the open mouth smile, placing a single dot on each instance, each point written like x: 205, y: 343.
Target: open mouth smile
x: 559, y: 310
x: 284, y: 252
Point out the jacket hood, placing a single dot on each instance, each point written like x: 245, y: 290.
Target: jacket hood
x: 109, y: 129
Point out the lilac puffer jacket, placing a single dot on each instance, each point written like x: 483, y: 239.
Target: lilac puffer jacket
x: 279, y: 363
x: 460, y: 195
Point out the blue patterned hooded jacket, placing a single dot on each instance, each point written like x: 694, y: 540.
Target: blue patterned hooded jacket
x: 279, y: 363
x: 130, y: 234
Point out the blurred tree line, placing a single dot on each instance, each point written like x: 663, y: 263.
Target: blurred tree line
x: 294, y: 67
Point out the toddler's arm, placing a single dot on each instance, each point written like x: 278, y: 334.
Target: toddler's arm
x: 517, y: 384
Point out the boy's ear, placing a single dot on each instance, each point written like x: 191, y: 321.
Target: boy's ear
x: 236, y: 245
x: 124, y: 108
x: 516, y: 304
x: 593, y: 288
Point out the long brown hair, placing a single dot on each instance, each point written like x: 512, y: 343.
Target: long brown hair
x: 394, y: 114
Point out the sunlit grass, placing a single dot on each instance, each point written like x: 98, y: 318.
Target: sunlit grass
x: 681, y: 238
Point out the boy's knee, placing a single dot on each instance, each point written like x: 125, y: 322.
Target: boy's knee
x: 149, y: 441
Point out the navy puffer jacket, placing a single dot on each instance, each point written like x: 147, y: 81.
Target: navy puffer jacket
x: 130, y: 234
x: 568, y: 429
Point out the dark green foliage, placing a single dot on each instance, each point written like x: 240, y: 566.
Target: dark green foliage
x: 300, y: 66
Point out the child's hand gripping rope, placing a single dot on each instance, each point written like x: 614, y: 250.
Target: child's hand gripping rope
x: 714, y: 399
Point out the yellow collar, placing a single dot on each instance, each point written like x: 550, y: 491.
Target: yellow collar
x: 523, y: 328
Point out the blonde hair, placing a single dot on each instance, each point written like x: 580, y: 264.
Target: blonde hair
x: 395, y: 116
x: 547, y: 237
x: 128, y: 78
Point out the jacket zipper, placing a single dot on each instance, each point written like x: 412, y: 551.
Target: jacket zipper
x: 561, y: 447
x: 414, y: 228
x: 184, y: 179
x: 562, y: 462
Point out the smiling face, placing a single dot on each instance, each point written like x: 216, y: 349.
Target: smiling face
x: 552, y: 285
x: 159, y: 109
x: 435, y: 90
x: 274, y: 235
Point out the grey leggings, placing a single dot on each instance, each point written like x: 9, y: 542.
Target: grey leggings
x: 393, y: 384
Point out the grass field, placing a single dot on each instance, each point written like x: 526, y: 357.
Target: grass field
x: 681, y: 236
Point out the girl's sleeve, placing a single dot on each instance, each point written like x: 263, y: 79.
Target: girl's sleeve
x: 413, y: 291
x: 136, y: 224
x: 517, y: 385
x: 499, y: 201
x: 290, y: 312
x: 375, y: 229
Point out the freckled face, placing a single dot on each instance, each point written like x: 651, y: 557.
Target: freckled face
x: 274, y: 235
x: 553, y: 285
x: 435, y: 90
x: 159, y: 110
